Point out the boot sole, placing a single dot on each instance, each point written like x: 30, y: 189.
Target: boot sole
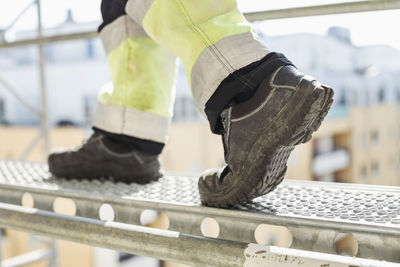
x: 312, y: 104
x: 105, y: 170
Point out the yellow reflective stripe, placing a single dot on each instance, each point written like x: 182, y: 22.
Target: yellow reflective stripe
x: 143, y: 76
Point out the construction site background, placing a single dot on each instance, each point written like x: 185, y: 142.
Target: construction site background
x: 358, y: 143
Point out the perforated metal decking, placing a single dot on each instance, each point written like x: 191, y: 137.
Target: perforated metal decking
x: 314, y: 212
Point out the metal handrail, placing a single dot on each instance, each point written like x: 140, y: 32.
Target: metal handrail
x: 330, y: 9
x: 316, y: 10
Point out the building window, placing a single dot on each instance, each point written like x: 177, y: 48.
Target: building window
x: 89, y: 103
x: 398, y: 95
x: 363, y: 172
x: 354, y: 99
x: 394, y: 162
x: 375, y: 168
x: 363, y: 140
x: 381, y: 95
x: 89, y: 49
x: 2, y: 111
x: 342, y: 99
x: 374, y: 136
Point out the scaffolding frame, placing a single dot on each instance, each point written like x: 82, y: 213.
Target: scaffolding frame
x: 43, y: 133
x: 198, y: 250
x: 168, y: 245
x: 370, y: 214
x: 40, y: 41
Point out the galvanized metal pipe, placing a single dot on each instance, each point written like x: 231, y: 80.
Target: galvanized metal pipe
x: 167, y: 245
x: 340, y: 8
x: 164, y: 244
x: 28, y: 258
x: 43, y: 89
x: 330, y: 9
x: 50, y: 39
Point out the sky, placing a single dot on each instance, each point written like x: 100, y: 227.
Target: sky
x: 369, y: 28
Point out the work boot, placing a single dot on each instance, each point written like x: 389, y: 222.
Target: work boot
x: 98, y: 158
x: 259, y: 134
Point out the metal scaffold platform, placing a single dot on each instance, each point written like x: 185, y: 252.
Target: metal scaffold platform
x: 314, y: 212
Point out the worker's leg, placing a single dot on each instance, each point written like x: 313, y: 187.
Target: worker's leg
x: 211, y: 37
x: 139, y: 102
x: 134, y: 111
x: 259, y: 102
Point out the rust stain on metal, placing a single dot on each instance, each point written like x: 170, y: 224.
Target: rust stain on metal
x: 261, y: 252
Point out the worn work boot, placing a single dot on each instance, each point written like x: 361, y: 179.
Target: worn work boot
x: 96, y: 159
x: 260, y: 133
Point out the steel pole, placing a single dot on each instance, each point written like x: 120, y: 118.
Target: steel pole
x: 329, y: 9
x: 51, y: 39
x: 28, y: 258
x: 43, y: 89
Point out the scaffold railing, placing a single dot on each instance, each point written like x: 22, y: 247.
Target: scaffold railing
x: 315, y: 213
x: 294, y: 12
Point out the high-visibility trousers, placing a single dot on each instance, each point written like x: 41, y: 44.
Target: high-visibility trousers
x: 212, y: 38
